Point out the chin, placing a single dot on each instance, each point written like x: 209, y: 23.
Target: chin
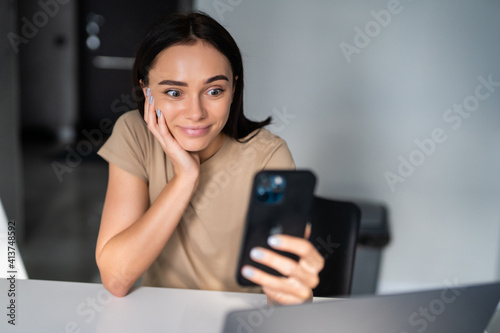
x: 193, y: 145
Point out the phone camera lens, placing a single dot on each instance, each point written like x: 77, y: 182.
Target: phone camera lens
x: 263, y: 197
x: 278, y: 184
x: 261, y: 190
x: 270, y: 189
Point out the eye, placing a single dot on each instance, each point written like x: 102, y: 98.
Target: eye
x: 215, y: 92
x: 173, y: 93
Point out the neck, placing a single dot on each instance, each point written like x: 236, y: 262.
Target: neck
x: 213, y: 148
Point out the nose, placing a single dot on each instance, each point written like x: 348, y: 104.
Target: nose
x: 195, y: 110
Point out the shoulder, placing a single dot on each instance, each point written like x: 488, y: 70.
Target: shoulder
x: 267, y: 149
x: 263, y: 136
x: 131, y: 120
x: 131, y: 126
x: 131, y: 133
x: 130, y: 145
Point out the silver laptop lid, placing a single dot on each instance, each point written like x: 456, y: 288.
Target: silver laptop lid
x: 456, y: 309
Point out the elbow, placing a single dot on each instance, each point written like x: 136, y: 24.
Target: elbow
x: 117, y: 292
x: 115, y: 285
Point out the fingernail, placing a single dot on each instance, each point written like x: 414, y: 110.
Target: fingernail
x: 158, y: 113
x: 256, y: 254
x: 248, y: 272
x: 273, y: 241
x: 148, y: 91
x: 150, y: 99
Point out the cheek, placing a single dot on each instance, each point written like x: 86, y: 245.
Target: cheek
x: 220, y: 109
x: 171, y: 109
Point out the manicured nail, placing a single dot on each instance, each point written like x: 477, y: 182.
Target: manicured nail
x: 248, y: 272
x: 158, y: 113
x: 148, y: 91
x: 273, y: 241
x: 256, y: 254
x: 150, y: 99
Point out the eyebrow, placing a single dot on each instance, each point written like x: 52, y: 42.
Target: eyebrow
x: 216, y: 78
x: 184, y: 84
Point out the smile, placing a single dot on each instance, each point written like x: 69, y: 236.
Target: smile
x: 194, y: 131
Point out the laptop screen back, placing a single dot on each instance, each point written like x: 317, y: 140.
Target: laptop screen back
x: 466, y: 309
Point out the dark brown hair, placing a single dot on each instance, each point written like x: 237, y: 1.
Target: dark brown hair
x: 187, y: 29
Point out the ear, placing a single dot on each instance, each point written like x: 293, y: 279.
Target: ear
x: 143, y: 87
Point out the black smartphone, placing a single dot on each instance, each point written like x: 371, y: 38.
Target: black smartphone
x: 280, y: 203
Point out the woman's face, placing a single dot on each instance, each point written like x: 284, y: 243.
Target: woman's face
x: 193, y: 87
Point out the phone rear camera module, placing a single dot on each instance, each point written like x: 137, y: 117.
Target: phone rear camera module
x: 262, y: 193
x: 277, y: 183
x: 270, y: 189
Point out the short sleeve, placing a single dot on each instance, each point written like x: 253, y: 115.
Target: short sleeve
x: 127, y: 145
x: 281, y: 158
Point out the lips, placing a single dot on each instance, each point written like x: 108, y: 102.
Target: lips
x: 194, y: 131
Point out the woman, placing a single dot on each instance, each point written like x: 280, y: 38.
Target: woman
x: 180, y: 173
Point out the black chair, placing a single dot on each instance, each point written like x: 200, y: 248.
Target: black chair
x: 335, y: 227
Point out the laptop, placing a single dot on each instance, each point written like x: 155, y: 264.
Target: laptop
x: 457, y: 309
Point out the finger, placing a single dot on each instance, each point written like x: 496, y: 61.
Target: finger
x: 151, y: 119
x: 307, y: 232
x: 290, y: 286
x: 164, y: 131
x: 284, y: 265
x: 147, y: 108
x: 147, y: 94
x: 278, y: 262
x: 284, y: 299
x: 310, y: 259
x: 162, y: 124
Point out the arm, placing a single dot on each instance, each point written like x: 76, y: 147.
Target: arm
x: 132, y: 235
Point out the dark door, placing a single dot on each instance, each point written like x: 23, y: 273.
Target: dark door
x: 109, y: 34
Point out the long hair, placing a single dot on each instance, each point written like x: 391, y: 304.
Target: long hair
x: 187, y: 29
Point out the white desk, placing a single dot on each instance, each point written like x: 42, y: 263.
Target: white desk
x: 69, y: 307
x: 57, y: 307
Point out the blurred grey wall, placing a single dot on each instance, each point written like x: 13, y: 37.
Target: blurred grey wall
x: 390, y: 101
x: 10, y: 152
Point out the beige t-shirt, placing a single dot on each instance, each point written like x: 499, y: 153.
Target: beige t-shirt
x: 202, y: 253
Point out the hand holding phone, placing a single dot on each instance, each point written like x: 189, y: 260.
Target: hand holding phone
x: 280, y: 203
